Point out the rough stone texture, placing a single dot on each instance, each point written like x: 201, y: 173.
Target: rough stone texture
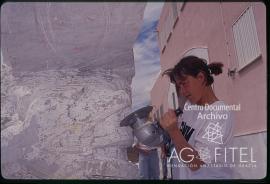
x: 62, y: 101
x: 65, y: 126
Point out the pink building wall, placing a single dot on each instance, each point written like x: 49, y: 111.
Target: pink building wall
x: 209, y: 25
x: 158, y: 93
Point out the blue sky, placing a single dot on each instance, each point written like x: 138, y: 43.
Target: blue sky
x: 146, y: 57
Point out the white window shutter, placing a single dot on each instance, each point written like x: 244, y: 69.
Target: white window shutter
x: 246, y: 39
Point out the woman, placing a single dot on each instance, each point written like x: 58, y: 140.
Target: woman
x: 201, y: 135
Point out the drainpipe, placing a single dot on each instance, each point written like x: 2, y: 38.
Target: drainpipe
x: 231, y: 72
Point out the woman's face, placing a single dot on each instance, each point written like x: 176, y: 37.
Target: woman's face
x: 192, y: 87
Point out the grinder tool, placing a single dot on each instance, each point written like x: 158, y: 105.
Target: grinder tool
x: 147, y: 132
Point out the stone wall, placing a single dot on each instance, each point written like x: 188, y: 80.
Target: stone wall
x: 65, y: 124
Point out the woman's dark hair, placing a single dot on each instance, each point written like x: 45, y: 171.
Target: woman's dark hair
x: 192, y: 65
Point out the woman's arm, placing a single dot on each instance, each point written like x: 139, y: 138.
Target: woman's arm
x: 188, y: 154
x: 185, y: 151
x: 140, y: 149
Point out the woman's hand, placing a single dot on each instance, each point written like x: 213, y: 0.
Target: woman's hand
x: 169, y: 121
x: 140, y: 149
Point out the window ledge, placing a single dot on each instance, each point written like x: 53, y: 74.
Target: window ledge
x: 249, y: 63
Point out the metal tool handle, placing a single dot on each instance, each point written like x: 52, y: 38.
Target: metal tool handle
x: 177, y: 111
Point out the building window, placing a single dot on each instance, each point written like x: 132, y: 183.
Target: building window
x: 201, y: 52
x: 246, y: 39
